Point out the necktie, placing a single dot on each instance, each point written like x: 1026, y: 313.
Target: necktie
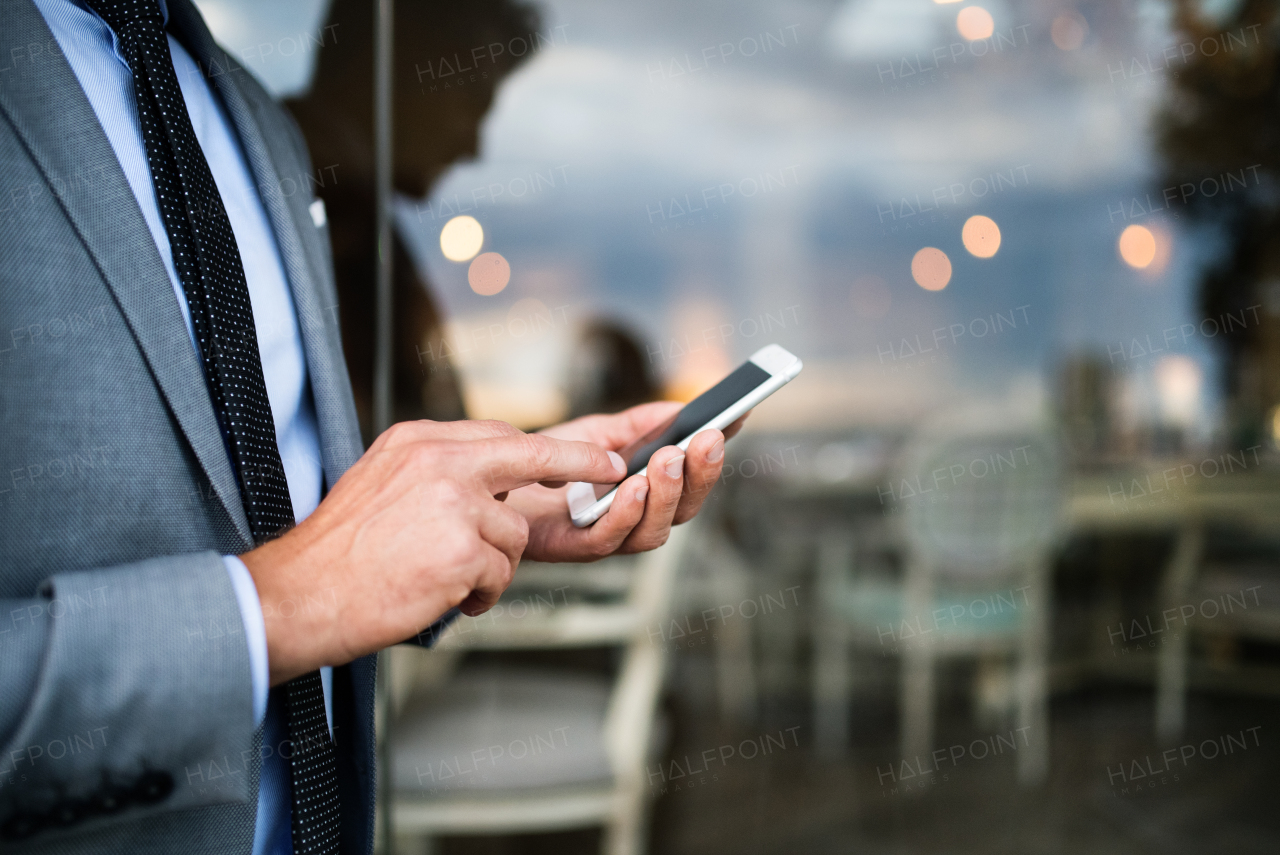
x: 208, y: 265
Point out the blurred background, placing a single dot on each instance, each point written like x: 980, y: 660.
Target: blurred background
x: 998, y: 571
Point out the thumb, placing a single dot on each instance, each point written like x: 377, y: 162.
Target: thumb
x: 513, y: 462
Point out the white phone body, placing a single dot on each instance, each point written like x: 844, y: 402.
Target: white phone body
x: 780, y: 364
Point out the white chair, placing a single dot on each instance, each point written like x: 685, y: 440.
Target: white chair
x: 718, y: 579
x: 1215, y: 598
x: 977, y: 513
x: 494, y: 750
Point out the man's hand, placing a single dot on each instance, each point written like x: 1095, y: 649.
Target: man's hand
x: 646, y: 505
x: 415, y: 527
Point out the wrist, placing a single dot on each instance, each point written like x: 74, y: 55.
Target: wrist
x: 297, y: 615
x: 254, y: 630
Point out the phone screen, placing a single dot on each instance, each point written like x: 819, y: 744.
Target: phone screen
x: 745, y: 379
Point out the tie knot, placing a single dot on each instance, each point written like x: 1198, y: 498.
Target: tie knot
x: 130, y: 17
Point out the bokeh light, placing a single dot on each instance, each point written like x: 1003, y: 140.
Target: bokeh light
x: 1137, y: 246
x: 981, y: 236
x: 931, y: 269
x: 1178, y: 383
x: 529, y: 318
x: 488, y: 274
x: 945, y: 2
x: 461, y: 238
x: 975, y: 23
x: 1068, y: 31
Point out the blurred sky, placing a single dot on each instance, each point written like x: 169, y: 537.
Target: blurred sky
x: 639, y: 112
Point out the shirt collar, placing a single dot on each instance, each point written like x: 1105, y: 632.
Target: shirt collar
x: 164, y: 9
x: 115, y: 41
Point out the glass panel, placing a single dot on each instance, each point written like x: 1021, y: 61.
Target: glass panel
x: 998, y: 570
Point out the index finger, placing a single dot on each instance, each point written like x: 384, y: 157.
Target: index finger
x: 513, y: 462
x: 615, y: 430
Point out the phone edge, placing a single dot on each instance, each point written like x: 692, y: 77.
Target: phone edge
x: 775, y: 382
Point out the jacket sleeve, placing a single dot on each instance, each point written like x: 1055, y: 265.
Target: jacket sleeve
x: 123, y: 690
x: 429, y: 636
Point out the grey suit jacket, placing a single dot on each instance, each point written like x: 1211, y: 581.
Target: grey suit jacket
x: 125, y: 698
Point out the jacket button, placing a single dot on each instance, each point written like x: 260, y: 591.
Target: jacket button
x: 153, y: 787
x: 21, y: 826
x: 67, y: 813
x: 110, y: 799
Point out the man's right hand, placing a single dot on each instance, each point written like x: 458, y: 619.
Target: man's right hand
x: 414, y: 528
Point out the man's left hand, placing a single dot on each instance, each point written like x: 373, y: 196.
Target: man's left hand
x: 646, y: 506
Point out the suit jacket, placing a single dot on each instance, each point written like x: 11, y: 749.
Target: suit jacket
x: 125, y: 697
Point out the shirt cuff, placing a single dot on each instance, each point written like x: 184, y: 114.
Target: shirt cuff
x: 255, y: 631
x: 429, y: 636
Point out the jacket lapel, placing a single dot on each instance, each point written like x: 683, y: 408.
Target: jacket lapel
x: 276, y: 155
x: 42, y: 99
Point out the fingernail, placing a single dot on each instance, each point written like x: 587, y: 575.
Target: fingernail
x: 716, y: 452
x: 618, y: 465
x: 641, y: 492
x: 675, y: 466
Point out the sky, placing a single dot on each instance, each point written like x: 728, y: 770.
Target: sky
x: 686, y: 167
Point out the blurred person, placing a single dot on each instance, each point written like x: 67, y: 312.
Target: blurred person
x: 197, y: 559
x: 608, y: 371
x: 432, y: 130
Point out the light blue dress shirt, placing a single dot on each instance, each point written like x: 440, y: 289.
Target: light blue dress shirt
x: 93, y: 53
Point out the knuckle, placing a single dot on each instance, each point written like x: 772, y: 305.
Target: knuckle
x: 498, y: 429
x: 522, y: 532
x: 538, y: 451
x: 448, y: 549
x: 466, y: 551
x: 653, y: 541
x: 422, y: 455
x: 407, y: 431
x: 449, y: 493
x: 398, y: 431
x: 457, y: 593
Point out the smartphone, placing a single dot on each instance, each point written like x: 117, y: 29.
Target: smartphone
x: 768, y: 370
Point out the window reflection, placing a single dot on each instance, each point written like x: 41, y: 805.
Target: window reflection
x: 1022, y: 501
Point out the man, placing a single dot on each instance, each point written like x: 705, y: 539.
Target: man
x: 433, y: 128
x: 172, y: 402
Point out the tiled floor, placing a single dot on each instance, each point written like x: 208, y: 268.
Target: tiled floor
x: 787, y: 799
x: 794, y: 802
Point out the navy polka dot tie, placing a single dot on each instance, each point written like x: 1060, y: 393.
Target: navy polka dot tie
x: 208, y: 265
